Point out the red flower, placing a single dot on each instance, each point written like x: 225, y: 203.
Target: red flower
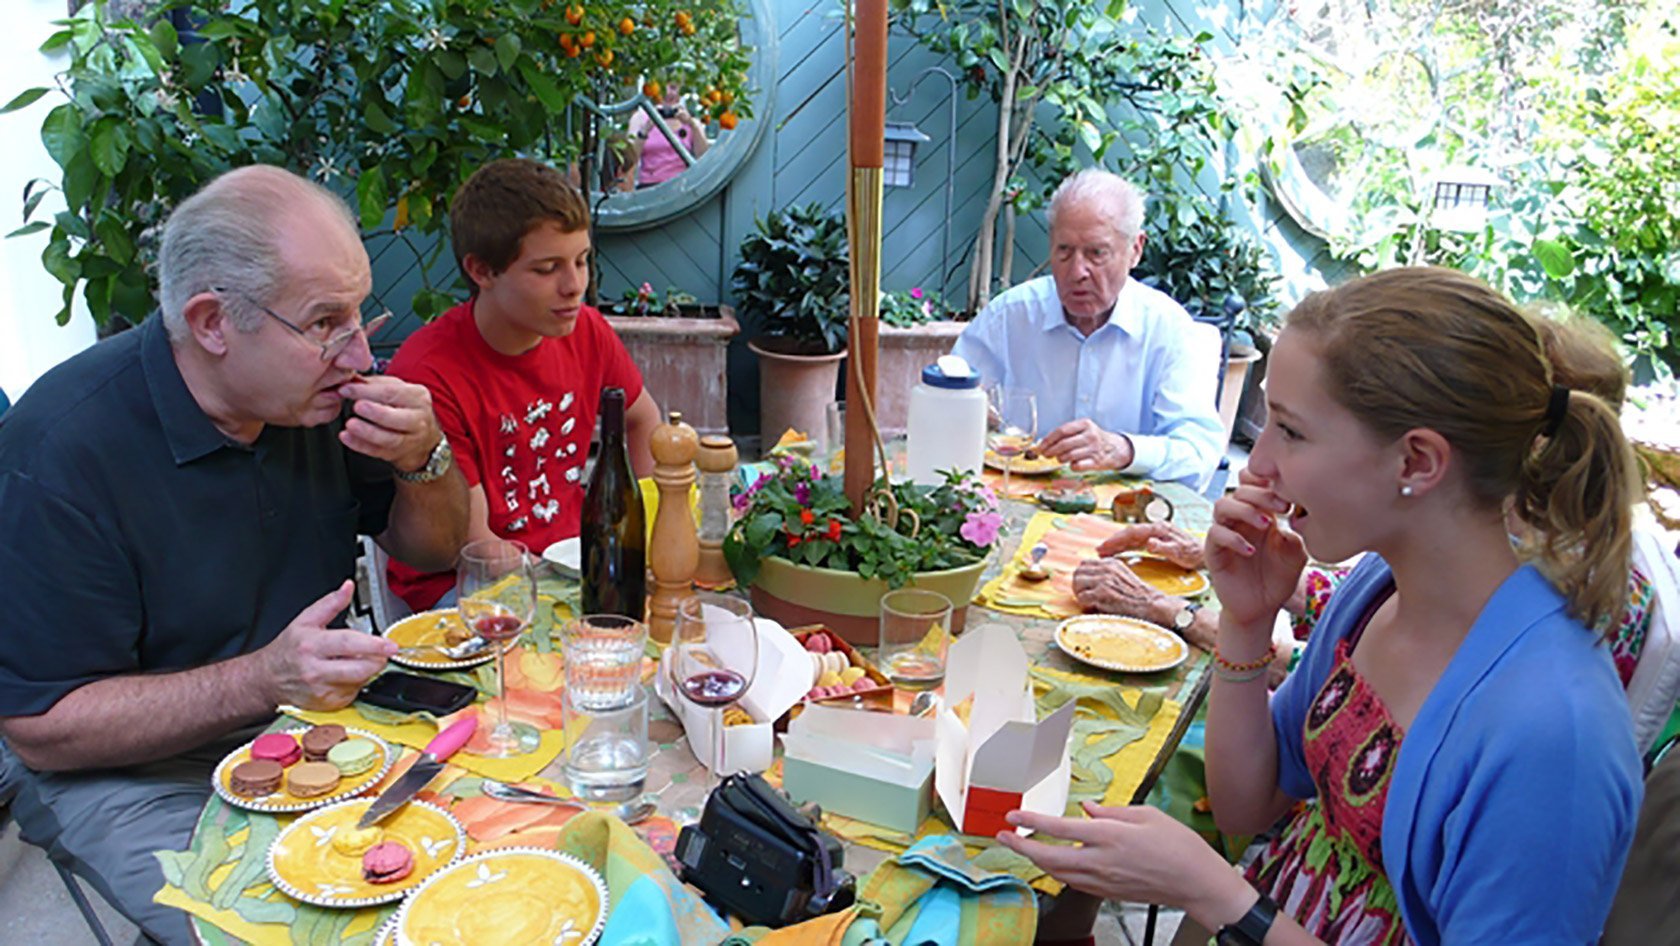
x: 834, y: 530
x: 806, y: 516
x: 792, y: 539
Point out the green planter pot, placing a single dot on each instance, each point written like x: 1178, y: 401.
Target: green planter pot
x: 847, y: 603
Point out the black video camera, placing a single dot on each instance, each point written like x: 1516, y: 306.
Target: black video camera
x: 754, y: 855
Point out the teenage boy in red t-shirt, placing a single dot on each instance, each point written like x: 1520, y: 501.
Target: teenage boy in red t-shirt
x: 516, y: 371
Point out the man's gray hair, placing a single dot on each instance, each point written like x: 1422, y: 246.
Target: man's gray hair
x: 1116, y: 198
x: 227, y: 236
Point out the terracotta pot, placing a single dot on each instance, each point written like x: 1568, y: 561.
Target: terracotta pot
x: 794, y: 391
x: 1231, y: 393
x: 903, y: 353
x: 847, y: 603
x: 683, y: 363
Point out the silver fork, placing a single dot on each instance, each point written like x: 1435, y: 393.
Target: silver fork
x: 466, y: 648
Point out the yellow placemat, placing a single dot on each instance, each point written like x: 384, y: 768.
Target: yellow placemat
x: 1070, y: 541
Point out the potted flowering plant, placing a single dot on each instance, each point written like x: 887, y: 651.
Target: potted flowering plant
x: 917, y: 326
x: 682, y: 349
x: 808, y: 560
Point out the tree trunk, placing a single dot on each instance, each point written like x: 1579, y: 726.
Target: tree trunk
x: 980, y: 274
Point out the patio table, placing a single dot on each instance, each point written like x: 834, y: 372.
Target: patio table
x: 679, y: 781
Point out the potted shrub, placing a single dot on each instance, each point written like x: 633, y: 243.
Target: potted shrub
x: 917, y: 326
x: 793, y: 288
x: 681, y: 348
x: 807, y: 560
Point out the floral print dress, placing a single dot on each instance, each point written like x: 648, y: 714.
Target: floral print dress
x: 1325, y: 868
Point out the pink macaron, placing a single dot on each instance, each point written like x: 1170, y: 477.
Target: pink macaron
x: 386, y: 863
x: 277, y: 747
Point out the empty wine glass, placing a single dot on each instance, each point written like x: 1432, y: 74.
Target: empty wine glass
x: 497, y: 600
x: 714, y: 657
x: 1011, y: 425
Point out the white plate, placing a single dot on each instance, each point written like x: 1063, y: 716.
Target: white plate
x: 566, y: 555
x: 1151, y: 648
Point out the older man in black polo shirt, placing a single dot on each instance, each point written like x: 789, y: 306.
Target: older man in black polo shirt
x: 178, y: 516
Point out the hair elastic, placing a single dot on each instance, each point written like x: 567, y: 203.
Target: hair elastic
x: 1556, y: 409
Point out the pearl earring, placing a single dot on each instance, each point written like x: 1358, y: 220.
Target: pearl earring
x: 1406, y: 490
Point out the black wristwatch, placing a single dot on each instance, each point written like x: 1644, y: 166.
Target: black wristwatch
x: 1251, y: 929
x: 437, y: 464
x: 1185, y: 617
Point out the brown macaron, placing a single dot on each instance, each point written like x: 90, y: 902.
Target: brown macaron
x: 317, y: 741
x: 256, y: 777
x: 309, y: 779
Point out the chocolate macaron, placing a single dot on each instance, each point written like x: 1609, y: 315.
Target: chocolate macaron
x: 309, y: 779
x: 386, y: 863
x: 318, y: 740
x: 277, y: 747
x: 256, y: 778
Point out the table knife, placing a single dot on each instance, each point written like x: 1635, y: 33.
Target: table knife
x: 426, y: 768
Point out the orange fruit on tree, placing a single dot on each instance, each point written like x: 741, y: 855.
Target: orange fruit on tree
x: 627, y: 26
x: 464, y: 101
x: 651, y: 89
x: 574, y: 14
x: 725, y: 96
x: 587, y: 39
x: 604, y: 57
x: 728, y: 120
x: 687, y: 28
x: 567, y: 42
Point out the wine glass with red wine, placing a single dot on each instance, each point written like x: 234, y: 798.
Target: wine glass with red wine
x: 497, y: 597
x: 714, y: 656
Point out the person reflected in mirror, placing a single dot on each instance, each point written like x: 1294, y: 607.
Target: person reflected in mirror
x: 1113, y: 363
x: 1453, y: 759
x: 651, y: 154
x: 516, y: 370
x: 179, y: 508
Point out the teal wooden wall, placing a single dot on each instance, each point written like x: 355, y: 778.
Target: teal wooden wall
x: 802, y: 159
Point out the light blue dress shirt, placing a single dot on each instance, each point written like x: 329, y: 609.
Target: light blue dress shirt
x: 1140, y: 374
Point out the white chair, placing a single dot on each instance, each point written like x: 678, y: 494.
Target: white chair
x: 386, y: 607
x: 1656, y: 680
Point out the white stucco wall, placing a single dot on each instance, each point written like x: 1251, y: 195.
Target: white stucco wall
x: 30, y: 341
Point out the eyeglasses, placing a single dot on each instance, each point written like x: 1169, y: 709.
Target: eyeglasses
x: 335, y: 344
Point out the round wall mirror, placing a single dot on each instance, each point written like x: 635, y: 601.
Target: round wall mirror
x: 680, y: 189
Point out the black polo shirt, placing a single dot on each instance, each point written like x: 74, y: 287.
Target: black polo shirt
x: 134, y: 536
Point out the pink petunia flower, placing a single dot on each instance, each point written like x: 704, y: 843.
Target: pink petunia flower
x: 802, y: 493
x: 916, y: 293
x: 981, y: 528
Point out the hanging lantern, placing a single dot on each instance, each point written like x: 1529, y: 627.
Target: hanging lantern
x: 899, y: 158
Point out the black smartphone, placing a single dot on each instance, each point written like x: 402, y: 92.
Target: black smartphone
x: 408, y: 693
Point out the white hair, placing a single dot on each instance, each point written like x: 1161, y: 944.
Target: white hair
x: 1113, y: 196
x: 227, y: 236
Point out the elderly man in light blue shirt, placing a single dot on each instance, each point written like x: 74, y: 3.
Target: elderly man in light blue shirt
x: 1115, y: 367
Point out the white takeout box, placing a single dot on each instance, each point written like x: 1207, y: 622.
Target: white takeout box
x: 874, y: 767
x: 1005, y: 758
x: 781, y: 680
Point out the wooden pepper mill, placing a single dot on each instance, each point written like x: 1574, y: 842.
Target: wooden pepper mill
x: 675, y: 549
x: 717, y: 466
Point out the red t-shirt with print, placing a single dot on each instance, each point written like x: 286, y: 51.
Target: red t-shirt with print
x: 519, y: 425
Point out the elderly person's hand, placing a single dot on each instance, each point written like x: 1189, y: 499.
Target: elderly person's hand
x: 392, y: 420
x: 1139, y: 854
x: 1157, y: 538
x: 1083, y: 445
x: 1109, y: 586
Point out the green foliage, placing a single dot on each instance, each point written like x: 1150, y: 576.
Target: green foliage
x: 913, y: 307
x: 645, y: 301
x: 794, y: 280
x: 391, y: 102
x: 1077, y: 85
x: 1207, y: 263
x: 800, y: 515
x: 1573, y: 106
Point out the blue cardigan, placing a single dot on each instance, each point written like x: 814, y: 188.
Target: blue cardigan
x: 1514, y: 797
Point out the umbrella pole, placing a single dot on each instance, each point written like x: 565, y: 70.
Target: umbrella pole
x: 867, y: 110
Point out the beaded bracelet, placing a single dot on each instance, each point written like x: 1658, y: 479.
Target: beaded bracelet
x: 1239, y: 677
x: 1259, y: 663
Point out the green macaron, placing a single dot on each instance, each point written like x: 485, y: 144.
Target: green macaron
x: 354, y: 756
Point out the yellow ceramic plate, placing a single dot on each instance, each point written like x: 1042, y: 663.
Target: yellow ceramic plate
x: 510, y: 895
x: 282, y: 800
x: 304, y: 865
x: 1113, y: 642
x: 1167, y: 577
x: 1022, y: 465
x: 428, y: 627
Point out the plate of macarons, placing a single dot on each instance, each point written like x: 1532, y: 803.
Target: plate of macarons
x: 302, y: 769
x: 324, y: 859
